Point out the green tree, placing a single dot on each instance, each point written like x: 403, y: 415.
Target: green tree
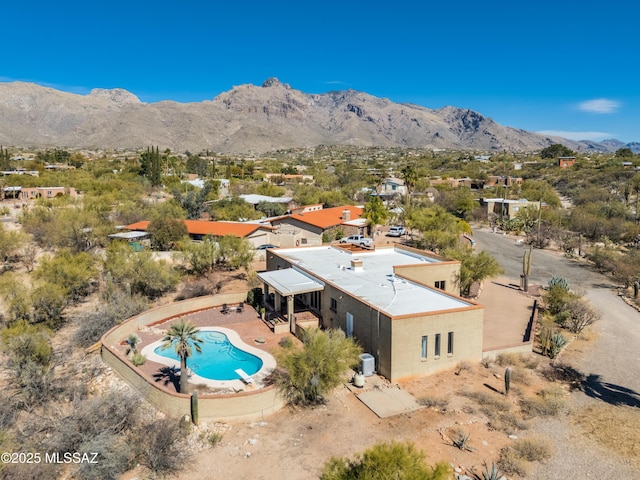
x: 375, y: 213
x: 438, y: 228
x: 138, y: 271
x: 201, y: 257
x: 151, y: 166
x: 555, y: 151
x: 167, y: 233
x: 410, y: 177
x: 624, y: 153
x: 235, y: 252
x: 319, y: 366
x: 269, y: 189
x: 271, y: 209
x: 473, y: 267
x: 234, y: 209
x: 193, y: 202
x: 386, y: 461
x: 5, y: 159
x: 184, y: 337
x: 74, y: 272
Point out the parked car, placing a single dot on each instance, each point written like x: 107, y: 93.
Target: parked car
x: 396, y: 231
x: 359, y: 240
x: 266, y: 246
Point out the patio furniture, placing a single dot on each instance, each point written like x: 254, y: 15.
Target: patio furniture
x: 225, y: 308
x: 240, y: 307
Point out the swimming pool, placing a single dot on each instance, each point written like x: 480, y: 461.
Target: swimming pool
x: 223, y: 352
x: 219, y: 358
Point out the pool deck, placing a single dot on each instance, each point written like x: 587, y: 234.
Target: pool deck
x: 247, y: 324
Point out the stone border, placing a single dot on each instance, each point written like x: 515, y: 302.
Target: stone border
x: 268, y: 362
x: 243, y: 406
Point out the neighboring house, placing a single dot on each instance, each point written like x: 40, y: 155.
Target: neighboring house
x: 308, y: 228
x: 289, y: 178
x: 505, y: 209
x: 565, y: 162
x: 255, y: 199
x: 30, y: 193
x: 502, y: 181
x: 393, y: 185
x: 257, y: 234
x: 396, y: 302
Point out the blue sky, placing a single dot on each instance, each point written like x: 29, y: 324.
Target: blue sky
x: 548, y: 66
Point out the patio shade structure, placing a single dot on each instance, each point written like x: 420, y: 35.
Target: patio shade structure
x: 288, y: 283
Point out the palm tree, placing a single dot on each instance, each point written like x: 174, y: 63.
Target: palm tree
x: 183, y: 336
x: 132, y: 344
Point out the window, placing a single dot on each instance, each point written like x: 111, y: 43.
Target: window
x: 440, y: 284
x: 450, y: 344
x: 349, y: 325
x: 334, y: 304
x: 437, y: 342
x: 424, y: 346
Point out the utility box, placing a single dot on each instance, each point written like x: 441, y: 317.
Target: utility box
x: 367, y: 364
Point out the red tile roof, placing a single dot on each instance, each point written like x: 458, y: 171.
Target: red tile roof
x: 202, y: 227
x: 327, y: 217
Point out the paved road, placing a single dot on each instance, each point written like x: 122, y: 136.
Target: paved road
x: 611, y: 364
x: 616, y: 354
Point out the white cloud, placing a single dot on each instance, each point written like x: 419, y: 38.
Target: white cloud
x: 599, y: 105
x: 594, y: 136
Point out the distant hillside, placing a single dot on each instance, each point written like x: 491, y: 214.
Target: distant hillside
x: 249, y: 118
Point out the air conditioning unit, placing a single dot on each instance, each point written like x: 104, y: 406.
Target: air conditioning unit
x: 367, y: 364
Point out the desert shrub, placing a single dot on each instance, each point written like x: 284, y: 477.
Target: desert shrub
x: 285, y: 342
x: 30, y: 471
x: 521, y: 376
x: 508, y: 422
x: 460, y: 440
x: 160, y: 446
x: 212, y: 438
x: 33, y: 384
x: 517, y: 360
x: 310, y: 372
x: 511, y: 463
x: 509, y: 359
x: 138, y: 359
x: 193, y: 290
x: 548, y: 403
x: 118, y: 307
x: 400, y: 461
x: 24, y: 342
x: 532, y: 449
x: 110, y: 414
x: 463, y: 366
x: 435, y: 402
x: 114, y: 458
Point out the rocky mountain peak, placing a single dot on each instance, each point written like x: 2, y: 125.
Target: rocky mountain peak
x: 115, y: 95
x: 274, y: 82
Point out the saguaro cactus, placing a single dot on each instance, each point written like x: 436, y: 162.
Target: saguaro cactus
x: 194, y: 407
x: 507, y: 380
x: 526, y: 269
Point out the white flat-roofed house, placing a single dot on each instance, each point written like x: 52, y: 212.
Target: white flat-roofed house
x: 397, y: 302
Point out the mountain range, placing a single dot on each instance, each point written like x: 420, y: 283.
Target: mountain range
x: 253, y: 119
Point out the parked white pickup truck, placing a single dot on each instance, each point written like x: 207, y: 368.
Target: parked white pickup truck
x: 359, y: 240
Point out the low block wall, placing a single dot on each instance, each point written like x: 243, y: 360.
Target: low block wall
x: 244, y: 406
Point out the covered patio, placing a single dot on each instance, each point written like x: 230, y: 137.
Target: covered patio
x: 291, y: 295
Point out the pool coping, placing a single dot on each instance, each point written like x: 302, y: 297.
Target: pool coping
x: 268, y: 362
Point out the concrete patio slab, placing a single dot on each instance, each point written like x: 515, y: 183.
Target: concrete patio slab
x: 388, y: 401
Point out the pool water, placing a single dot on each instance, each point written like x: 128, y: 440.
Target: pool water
x: 219, y: 358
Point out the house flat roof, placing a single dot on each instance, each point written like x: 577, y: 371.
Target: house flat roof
x: 375, y: 283
x: 291, y: 281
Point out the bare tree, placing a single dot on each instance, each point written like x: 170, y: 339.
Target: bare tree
x: 581, y: 315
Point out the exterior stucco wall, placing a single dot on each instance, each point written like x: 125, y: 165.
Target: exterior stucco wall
x: 407, y: 361
x: 290, y: 230
x: 429, y: 274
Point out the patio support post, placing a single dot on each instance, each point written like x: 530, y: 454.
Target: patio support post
x: 290, y: 314
x: 277, y: 301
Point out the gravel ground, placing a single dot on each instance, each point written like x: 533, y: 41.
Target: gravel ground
x: 610, y: 362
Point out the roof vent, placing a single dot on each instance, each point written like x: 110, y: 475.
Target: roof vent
x: 356, y: 265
